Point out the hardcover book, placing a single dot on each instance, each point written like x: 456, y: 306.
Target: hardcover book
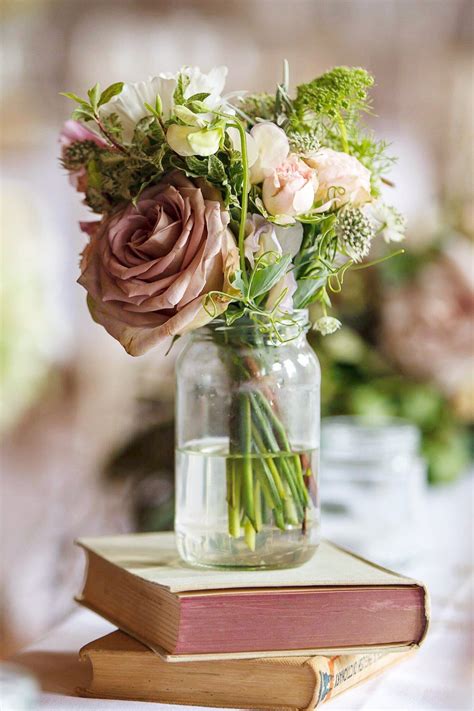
x: 122, y: 668
x: 337, y: 603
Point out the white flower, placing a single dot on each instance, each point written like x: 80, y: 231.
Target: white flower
x: 327, y: 325
x: 211, y: 83
x: 341, y: 177
x: 287, y: 285
x: 129, y: 105
x: 267, y: 148
x: 263, y: 236
x: 387, y: 221
x: 252, y: 150
x: 290, y: 238
x: 272, y: 147
x: 192, y: 141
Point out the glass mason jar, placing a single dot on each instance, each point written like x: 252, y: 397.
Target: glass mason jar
x: 247, y: 419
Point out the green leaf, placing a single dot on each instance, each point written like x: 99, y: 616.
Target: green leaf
x: 199, y: 97
x: 231, y: 316
x: 188, y: 117
x: 74, y: 97
x: 198, y: 107
x: 307, y: 291
x: 216, y: 170
x: 113, y: 125
x: 181, y: 86
x: 94, y: 96
x: 158, y: 105
x: 238, y: 283
x: 262, y: 280
x: 82, y: 115
x: 197, y: 166
x: 93, y: 174
x: 110, y: 92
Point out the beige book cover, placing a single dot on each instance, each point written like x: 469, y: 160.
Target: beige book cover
x: 122, y: 668
x: 153, y: 558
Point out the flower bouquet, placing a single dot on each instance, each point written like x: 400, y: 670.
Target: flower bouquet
x: 227, y: 216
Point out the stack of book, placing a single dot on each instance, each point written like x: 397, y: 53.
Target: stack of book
x: 282, y: 639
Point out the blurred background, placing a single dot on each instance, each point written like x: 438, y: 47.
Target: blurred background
x: 87, y: 430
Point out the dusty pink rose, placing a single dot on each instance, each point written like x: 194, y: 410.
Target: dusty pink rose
x: 290, y: 189
x: 147, y: 267
x: 75, y: 132
x: 341, y: 177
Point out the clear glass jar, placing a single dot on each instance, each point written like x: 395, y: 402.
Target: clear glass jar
x: 373, y: 479
x: 247, y: 438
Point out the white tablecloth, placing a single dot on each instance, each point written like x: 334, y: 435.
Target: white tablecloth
x: 439, y: 677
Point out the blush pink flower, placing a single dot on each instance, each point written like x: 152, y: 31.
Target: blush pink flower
x: 75, y: 132
x: 290, y: 189
x: 341, y: 177
x: 148, y: 267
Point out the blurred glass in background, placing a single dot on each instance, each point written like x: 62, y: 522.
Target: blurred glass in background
x: 373, y: 482
x: 87, y: 430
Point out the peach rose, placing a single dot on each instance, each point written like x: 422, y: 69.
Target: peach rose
x: 147, y: 267
x: 290, y: 189
x: 341, y: 177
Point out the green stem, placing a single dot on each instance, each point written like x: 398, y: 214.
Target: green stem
x: 245, y: 196
x: 246, y: 449
x: 109, y: 137
x: 233, y: 508
x: 269, y: 489
x: 379, y: 261
x: 269, y: 464
x: 298, y: 492
x: 257, y: 497
x: 343, y: 130
x: 249, y: 534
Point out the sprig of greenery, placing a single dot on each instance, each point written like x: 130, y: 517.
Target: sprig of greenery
x: 87, y: 110
x: 335, y: 99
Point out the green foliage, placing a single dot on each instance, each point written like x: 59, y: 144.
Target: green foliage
x: 360, y: 382
x: 372, y: 153
x: 266, y: 274
x: 257, y: 106
x: 78, y: 154
x: 110, y: 92
x: 329, y: 110
x: 313, y: 264
x: 338, y: 94
x: 96, y: 99
x: 113, y: 126
x: 181, y: 86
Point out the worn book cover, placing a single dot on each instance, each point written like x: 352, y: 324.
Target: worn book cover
x: 122, y: 668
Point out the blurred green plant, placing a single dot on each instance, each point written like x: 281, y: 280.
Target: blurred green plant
x: 359, y: 378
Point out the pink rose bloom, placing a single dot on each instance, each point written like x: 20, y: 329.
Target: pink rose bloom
x: 341, y: 177
x: 75, y: 132
x: 147, y: 267
x: 290, y: 189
